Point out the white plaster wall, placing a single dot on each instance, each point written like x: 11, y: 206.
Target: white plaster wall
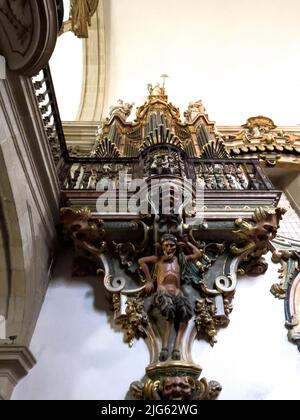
x: 81, y: 357
x: 253, y: 358
x: 66, y: 67
x: 79, y: 354
x: 241, y: 57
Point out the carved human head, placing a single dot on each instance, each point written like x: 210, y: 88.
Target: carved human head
x: 169, y: 245
x: 267, y: 224
x: 177, y: 388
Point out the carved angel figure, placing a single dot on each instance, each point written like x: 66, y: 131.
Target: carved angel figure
x: 156, y: 90
x: 177, y: 388
x: 194, y: 109
x: 122, y: 109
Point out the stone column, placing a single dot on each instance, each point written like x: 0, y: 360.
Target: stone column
x: 15, y: 363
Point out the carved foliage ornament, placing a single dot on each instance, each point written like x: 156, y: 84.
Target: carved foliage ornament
x: 261, y: 136
x: 259, y: 129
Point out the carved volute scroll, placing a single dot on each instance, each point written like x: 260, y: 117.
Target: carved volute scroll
x: 28, y: 33
x: 171, y: 275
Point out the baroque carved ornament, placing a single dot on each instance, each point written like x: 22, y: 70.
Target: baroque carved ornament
x: 170, y: 272
x: 183, y: 292
x: 261, y: 137
x: 81, y: 13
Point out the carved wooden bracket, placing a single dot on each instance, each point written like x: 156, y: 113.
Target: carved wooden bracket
x: 170, y: 289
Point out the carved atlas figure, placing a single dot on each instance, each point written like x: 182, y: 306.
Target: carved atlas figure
x: 168, y: 297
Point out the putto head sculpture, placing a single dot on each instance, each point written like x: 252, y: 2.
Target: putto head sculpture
x: 177, y: 388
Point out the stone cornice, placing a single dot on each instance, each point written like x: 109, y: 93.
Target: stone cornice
x: 15, y: 363
x: 80, y: 135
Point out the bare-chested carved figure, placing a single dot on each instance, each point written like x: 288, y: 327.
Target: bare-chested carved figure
x: 168, y: 298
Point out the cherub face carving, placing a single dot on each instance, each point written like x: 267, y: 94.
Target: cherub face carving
x: 177, y: 388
